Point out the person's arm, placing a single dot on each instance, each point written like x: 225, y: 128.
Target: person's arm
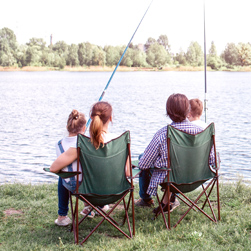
x: 64, y: 160
x: 128, y: 174
x: 212, y: 157
x: 151, y: 153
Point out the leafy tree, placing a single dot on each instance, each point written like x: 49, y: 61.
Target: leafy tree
x: 181, y: 57
x: 33, y: 56
x: 230, y: 54
x: 133, y: 46
x: 133, y: 57
x: 61, y: 63
x: 138, y: 58
x: 85, y: 54
x: 61, y: 47
x: 39, y: 42
x: 244, y: 54
x: 21, y: 55
x: 149, y: 42
x: 98, y: 56
x: 163, y: 40
x: 50, y: 60
x: 7, y: 58
x: 112, y: 55
x: 127, y: 60
x: 35, y: 53
x: 194, y: 55
x: 45, y: 57
x: 213, y: 60
x: 56, y: 61
x: 72, y: 58
x: 8, y: 46
x: 212, y: 50
x: 8, y: 38
x: 157, y: 56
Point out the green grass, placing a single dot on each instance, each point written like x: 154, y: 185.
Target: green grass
x: 34, y: 228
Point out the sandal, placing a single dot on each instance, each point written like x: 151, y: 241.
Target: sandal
x: 86, y: 211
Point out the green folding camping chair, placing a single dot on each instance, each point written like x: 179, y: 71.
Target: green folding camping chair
x: 188, y: 169
x: 104, y: 182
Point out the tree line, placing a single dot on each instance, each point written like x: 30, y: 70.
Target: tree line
x: 154, y: 53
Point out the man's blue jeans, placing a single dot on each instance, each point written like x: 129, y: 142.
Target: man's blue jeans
x: 63, y: 199
x: 144, y: 180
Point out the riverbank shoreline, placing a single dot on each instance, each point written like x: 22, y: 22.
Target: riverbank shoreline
x: 120, y: 68
x: 101, y: 69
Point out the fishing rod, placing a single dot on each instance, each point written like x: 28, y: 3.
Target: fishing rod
x: 205, y: 67
x: 107, y: 85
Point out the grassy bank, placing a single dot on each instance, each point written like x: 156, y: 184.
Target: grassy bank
x: 121, y: 68
x: 27, y: 214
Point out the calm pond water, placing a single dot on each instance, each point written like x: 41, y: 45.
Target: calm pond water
x: 35, y: 105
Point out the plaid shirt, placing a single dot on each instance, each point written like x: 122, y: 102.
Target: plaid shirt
x: 155, y: 155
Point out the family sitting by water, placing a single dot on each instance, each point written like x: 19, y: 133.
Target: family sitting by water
x: 185, y: 115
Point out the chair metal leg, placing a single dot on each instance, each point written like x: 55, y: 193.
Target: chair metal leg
x: 211, y: 189
x: 168, y: 205
x: 216, y: 180
x: 73, y: 213
x: 186, y: 202
x: 218, y: 196
x: 133, y: 214
x: 77, y: 228
x: 106, y: 216
x: 162, y: 212
x: 127, y: 208
x: 131, y: 198
x: 127, y: 217
x: 208, y: 201
x: 193, y: 204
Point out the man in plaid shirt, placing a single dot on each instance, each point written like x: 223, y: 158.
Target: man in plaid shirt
x: 155, y: 155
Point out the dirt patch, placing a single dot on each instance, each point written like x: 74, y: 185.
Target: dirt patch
x: 12, y: 211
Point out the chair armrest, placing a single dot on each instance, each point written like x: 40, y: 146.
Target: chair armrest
x: 160, y: 169
x: 136, y: 171
x: 135, y: 163
x: 63, y: 174
x: 135, y: 174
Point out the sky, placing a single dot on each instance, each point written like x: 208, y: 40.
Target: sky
x: 113, y: 22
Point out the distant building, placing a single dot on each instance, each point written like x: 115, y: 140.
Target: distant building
x: 51, y: 39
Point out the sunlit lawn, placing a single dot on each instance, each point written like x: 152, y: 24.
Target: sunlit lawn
x: 27, y: 214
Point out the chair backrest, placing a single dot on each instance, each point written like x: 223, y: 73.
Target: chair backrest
x: 189, y: 156
x: 104, y: 169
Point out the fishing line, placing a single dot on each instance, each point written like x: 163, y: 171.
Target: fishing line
x: 107, y: 85
x: 205, y: 67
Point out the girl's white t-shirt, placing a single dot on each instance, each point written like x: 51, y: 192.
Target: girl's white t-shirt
x: 109, y: 136
x: 199, y: 123
x: 68, y: 142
